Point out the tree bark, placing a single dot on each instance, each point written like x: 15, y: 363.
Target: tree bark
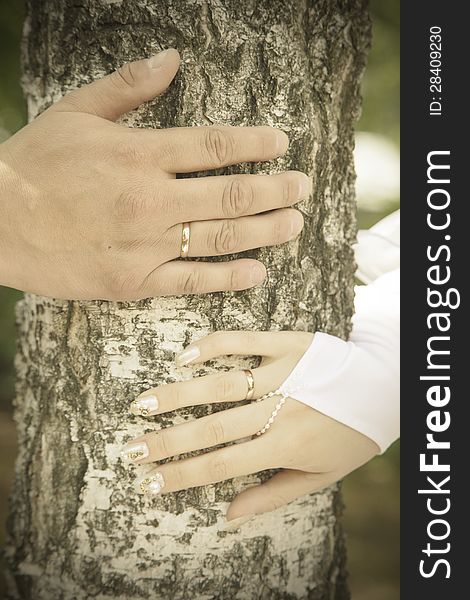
x: 77, y: 529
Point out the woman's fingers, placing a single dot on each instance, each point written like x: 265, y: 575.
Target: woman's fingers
x: 179, y: 277
x: 282, y: 488
x: 243, y: 343
x: 189, y: 149
x: 233, y: 196
x: 233, y: 461
x: 227, y: 386
x: 219, y: 428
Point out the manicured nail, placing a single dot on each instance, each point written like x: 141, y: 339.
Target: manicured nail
x: 144, y: 406
x: 257, y: 274
x: 282, y: 142
x: 236, y: 523
x: 158, y: 60
x: 187, y: 356
x: 135, y: 451
x: 305, y: 187
x: 151, y: 485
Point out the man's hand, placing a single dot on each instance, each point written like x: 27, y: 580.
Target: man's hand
x: 92, y: 210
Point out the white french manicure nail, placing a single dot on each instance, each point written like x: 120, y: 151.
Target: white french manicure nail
x: 151, y: 485
x: 135, y: 451
x: 187, y: 356
x: 144, y: 406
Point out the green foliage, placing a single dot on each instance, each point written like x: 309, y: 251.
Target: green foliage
x: 381, y: 86
x: 8, y: 298
x: 12, y: 117
x: 12, y: 105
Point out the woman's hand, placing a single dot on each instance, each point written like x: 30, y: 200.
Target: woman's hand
x: 312, y: 449
x: 90, y: 209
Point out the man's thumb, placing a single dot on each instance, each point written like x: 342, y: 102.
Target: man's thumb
x: 125, y: 89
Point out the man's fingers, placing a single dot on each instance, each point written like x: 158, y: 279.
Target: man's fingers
x: 180, y: 277
x: 282, y: 488
x: 232, y: 196
x: 125, y: 89
x: 228, y: 236
x: 188, y: 149
x: 233, y: 461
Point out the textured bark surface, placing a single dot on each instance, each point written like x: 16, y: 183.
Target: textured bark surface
x: 77, y: 529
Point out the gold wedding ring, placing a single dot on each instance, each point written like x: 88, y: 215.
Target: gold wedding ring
x: 185, y: 235
x: 251, y: 384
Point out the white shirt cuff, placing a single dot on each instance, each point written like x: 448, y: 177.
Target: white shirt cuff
x: 348, y: 384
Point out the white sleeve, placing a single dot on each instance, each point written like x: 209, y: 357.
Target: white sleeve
x: 357, y: 382
x: 378, y: 249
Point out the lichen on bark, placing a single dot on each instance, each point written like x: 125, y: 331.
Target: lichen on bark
x: 77, y: 529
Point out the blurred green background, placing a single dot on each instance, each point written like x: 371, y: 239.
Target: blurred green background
x: 371, y: 494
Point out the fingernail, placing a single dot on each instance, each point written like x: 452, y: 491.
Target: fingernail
x: 135, y: 451
x: 305, y: 186
x: 237, y: 522
x: 282, y: 142
x: 257, y: 274
x: 144, y: 406
x: 297, y: 224
x: 187, y: 356
x: 151, y: 485
x: 158, y: 59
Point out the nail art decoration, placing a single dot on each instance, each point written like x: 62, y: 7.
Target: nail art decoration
x: 187, y: 356
x: 135, y: 451
x: 144, y: 406
x: 152, y: 485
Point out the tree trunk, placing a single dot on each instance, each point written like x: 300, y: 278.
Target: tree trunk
x: 77, y: 529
